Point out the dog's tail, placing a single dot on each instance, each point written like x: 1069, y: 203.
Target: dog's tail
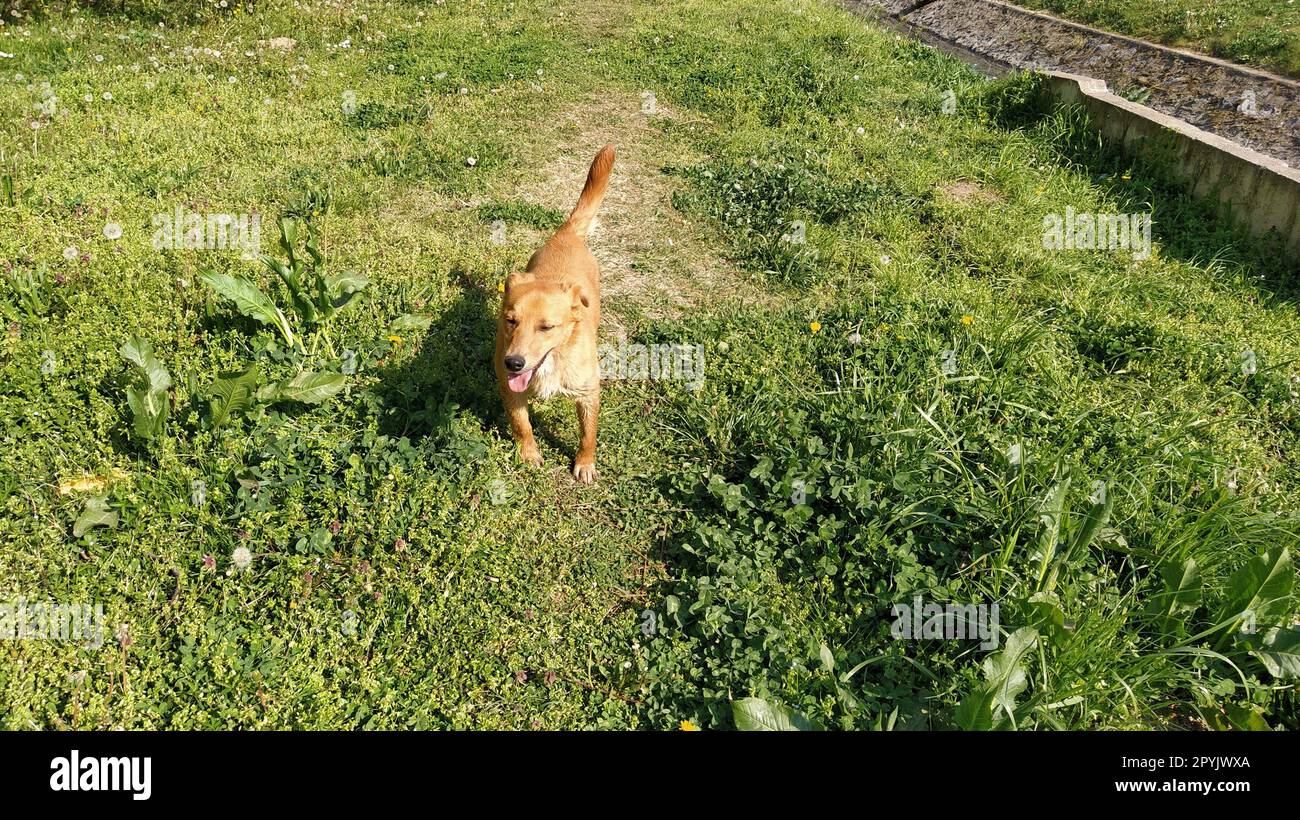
x: 592, y: 193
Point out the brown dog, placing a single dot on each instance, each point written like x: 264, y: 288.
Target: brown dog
x: 546, y: 335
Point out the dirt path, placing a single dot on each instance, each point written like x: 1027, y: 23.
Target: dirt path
x: 653, y: 260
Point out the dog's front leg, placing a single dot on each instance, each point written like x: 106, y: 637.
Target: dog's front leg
x: 520, y: 427
x: 584, y: 465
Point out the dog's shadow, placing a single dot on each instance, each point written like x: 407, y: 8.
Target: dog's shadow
x: 450, y: 370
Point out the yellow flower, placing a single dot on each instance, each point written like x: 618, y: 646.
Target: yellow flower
x: 687, y: 726
x: 397, y: 340
x: 968, y: 320
x: 501, y: 287
x: 815, y: 326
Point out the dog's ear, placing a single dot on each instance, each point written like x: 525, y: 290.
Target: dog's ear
x: 516, y: 279
x: 580, y: 298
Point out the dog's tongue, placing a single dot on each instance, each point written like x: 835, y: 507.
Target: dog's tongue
x: 519, y: 381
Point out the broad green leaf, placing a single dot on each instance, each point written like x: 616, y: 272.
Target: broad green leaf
x: 1182, y: 586
x: 1015, y: 457
x: 313, y: 249
x: 341, y: 289
x: 886, y: 724
x: 231, y: 393
x: 1053, y: 511
x: 1110, y: 538
x: 306, y: 308
x: 250, y: 300
x: 757, y: 715
x: 1247, y: 718
x: 1099, y: 509
x: 1005, y: 672
x: 139, y: 352
x: 150, y: 405
x: 1046, y: 615
x: 1260, y: 590
x: 282, y: 270
x: 1181, y: 593
x: 1279, y: 651
x: 975, y: 712
x: 347, y: 283
x: 311, y: 388
x: 96, y: 514
x: 148, y: 411
x: 408, y: 322
x: 828, y: 658
x: 672, y: 608
x: 288, y: 235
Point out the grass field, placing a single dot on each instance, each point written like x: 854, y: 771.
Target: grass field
x: 1261, y: 33
x: 315, y: 518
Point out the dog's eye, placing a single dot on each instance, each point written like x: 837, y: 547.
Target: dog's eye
x: 512, y: 322
x: 547, y: 327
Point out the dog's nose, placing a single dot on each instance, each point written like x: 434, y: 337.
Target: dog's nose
x: 514, y: 363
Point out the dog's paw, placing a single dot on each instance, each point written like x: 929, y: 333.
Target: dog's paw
x: 584, y: 473
x: 531, y: 457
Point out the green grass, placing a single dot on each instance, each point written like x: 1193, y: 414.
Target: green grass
x: 1261, y: 33
x: 406, y: 571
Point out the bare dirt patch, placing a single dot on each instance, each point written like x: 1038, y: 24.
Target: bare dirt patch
x: 653, y: 260
x: 967, y: 191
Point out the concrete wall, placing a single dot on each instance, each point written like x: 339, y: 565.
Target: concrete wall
x: 1264, y: 192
